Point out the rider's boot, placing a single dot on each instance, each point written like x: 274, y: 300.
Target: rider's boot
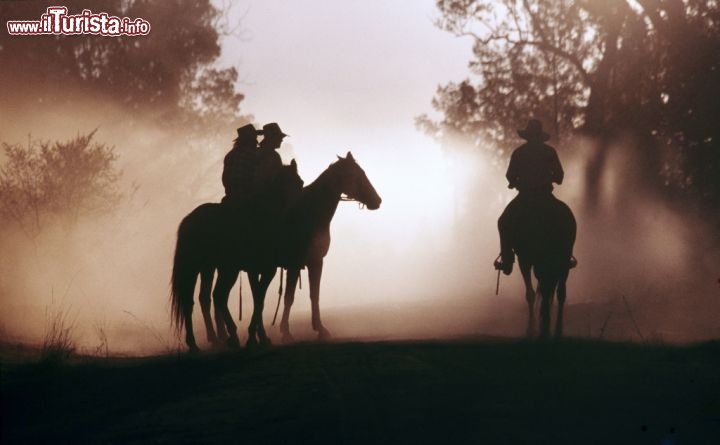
x: 573, y: 261
x: 505, y: 262
x: 507, y: 257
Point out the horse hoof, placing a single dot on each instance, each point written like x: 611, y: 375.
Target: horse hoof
x: 251, y: 343
x: 287, y: 338
x: 233, y: 343
x: 265, y: 342
x: 194, y: 350
x: 324, y: 334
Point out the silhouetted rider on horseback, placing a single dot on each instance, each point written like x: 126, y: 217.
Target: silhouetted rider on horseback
x: 250, y: 173
x: 268, y: 162
x: 238, y: 176
x: 534, y: 167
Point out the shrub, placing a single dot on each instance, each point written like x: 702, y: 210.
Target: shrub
x: 68, y: 179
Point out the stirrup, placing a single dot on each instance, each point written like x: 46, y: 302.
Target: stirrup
x: 506, y: 267
x: 497, y: 264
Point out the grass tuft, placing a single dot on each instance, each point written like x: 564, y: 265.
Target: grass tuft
x: 58, y: 343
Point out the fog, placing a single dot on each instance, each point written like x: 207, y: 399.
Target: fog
x: 418, y: 267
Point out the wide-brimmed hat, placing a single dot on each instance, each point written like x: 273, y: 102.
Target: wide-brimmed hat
x: 533, y: 131
x: 272, y: 129
x: 247, y: 132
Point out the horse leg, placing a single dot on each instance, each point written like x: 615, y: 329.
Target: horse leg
x: 547, y: 289
x: 290, y: 285
x: 183, y: 302
x: 561, y: 294
x: 259, y: 303
x: 254, y: 279
x: 225, y: 281
x: 220, y: 307
x: 315, y: 274
x: 189, y: 335
x: 525, y: 270
x: 206, y: 279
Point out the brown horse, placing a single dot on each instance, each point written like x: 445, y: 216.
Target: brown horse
x: 216, y: 237
x: 309, y: 229
x: 544, y: 245
x: 227, y: 238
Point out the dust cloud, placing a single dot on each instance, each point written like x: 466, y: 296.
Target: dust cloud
x: 419, y: 267
x: 648, y: 271
x: 108, y: 275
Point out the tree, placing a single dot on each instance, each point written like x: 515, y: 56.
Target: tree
x: 168, y: 73
x: 65, y: 180
x: 167, y: 81
x: 648, y: 69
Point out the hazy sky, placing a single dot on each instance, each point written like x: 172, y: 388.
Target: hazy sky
x: 339, y: 74
x: 353, y: 75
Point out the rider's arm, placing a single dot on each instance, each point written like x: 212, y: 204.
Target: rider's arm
x: 557, y: 171
x: 512, y: 172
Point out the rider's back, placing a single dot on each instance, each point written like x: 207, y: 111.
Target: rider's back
x: 534, y: 166
x: 239, y: 171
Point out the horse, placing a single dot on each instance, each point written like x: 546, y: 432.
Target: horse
x: 309, y: 231
x: 227, y: 238
x: 294, y: 239
x: 544, y: 244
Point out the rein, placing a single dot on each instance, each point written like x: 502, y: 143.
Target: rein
x: 280, y: 291
x: 497, y: 286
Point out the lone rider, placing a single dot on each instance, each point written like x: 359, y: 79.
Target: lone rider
x: 534, y: 167
x: 239, y: 166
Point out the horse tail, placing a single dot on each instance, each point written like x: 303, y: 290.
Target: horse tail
x: 182, y: 282
x: 186, y: 266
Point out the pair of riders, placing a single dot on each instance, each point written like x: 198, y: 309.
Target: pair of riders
x: 534, y: 167
x: 250, y: 169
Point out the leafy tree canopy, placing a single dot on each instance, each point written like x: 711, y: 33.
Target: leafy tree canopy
x: 649, y: 69
x: 169, y: 72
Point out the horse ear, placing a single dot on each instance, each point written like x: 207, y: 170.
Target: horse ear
x: 339, y: 158
x: 293, y: 164
x: 349, y: 156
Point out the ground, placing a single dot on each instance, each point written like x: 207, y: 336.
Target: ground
x: 462, y: 391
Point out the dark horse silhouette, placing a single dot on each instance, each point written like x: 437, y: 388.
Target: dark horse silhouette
x: 228, y: 238
x: 309, y: 231
x: 544, y: 244
x: 215, y: 237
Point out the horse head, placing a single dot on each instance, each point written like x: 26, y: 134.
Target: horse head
x: 354, y: 184
x: 289, y: 180
x: 287, y: 185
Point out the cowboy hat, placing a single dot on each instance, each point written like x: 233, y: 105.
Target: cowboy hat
x: 533, y: 131
x: 272, y: 129
x: 247, y: 132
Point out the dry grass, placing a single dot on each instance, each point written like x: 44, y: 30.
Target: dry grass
x: 103, y: 348
x: 58, y: 343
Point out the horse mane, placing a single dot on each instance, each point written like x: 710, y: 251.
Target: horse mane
x: 328, y: 176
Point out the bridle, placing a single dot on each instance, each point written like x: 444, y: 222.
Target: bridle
x: 348, y: 198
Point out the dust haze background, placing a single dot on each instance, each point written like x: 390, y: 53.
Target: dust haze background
x: 419, y: 267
